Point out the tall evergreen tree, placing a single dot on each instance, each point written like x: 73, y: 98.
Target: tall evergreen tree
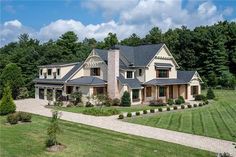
x: 110, y: 40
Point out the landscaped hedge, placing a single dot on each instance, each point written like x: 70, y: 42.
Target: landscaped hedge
x: 137, y: 113
x: 152, y: 110
x: 100, y: 112
x: 121, y: 116
x: 168, y: 109
x: 144, y: 111
x: 129, y: 114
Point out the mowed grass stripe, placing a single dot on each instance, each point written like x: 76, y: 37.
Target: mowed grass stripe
x: 231, y: 113
x: 197, y: 127
x: 210, y: 127
x: 175, y: 121
x: 164, y: 121
x: 186, y: 122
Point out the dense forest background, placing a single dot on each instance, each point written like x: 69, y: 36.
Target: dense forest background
x: 209, y: 49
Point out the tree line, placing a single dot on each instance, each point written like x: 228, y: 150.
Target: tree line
x: 211, y: 50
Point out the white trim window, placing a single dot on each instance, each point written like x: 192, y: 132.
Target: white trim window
x: 129, y: 74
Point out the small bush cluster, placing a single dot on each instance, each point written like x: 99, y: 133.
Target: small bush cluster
x: 101, y: 112
x: 58, y: 103
x: 144, y: 111
x: 121, y: 116
x: 13, y: 118
x: 160, y: 109
x: 200, y: 104
x: 178, y: 101
x: 200, y: 97
x: 170, y: 102
x: 152, y: 110
x: 175, y: 107
x: 137, y: 113
x: 116, y: 102
x: 88, y: 104
x: 182, y: 106
x: 194, y: 105
x: 158, y: 102
x: 189, y: 106
x: 129, y: 114
x: 168, y: 109
x: 206, y: 102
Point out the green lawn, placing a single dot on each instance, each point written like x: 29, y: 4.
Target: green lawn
x: 23, y: 140
x: 217, y: 120
x: 119, y: 108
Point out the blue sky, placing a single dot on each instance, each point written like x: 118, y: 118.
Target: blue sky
x: 48, y: 19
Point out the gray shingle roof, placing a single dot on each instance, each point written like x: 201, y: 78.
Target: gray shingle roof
x: 183, y: 77
x: 62, y: 80
x: 87, y: 80
x: 132, y: 83
x: 136, y: 55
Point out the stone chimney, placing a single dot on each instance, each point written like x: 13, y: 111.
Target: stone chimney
x: 113, y: 73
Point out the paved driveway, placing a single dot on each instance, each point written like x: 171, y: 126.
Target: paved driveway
x: 111, y: 123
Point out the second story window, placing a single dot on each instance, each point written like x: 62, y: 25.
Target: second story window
x: 129, y: 74
x: 58, y: 72
x: 162, y: 73
x: 49, y: 71
x: 95, y: 71
x: 140, y: 72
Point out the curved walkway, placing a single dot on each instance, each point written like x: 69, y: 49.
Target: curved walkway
x: 111, y: 123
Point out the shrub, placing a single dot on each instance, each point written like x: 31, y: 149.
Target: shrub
x: 189, y: 106
x: 182, y: 106
x: 178, y: 101
x: 210, y: 94
x: 160, y: 109
x: 137, y: 113
x: 200, y: 97
x: 194, y: 105
x: 12, y: 118
x: 23, y: 93
x: 152, y: 110
x: 144, y: 111
x: 125, y: 100
x: 53, y: 130
x: 7, y: 104
x: 88, y: 104
x: 168, y: 109
x: 181, y: 98
x: 129, y: 114
x: 175, y: 107
x: 76, y: 97
x: 69, y: 105
x: 121, y: 116
x: 24, y: 117
x: 58, y: 103
x: 170, y: 101
x: 116, y: 102
x: 100, y: 112
x: 206, y: 102
x: 200, y: 104
x: 158, y: 102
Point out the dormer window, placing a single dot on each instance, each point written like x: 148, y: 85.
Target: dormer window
x: 58, y: 72
x: 95, y: 71
x: 49, y: 71
x: 129, y: 74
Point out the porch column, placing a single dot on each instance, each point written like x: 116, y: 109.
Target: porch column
x: 45, y: 93
x: 53, y: 94
x: 178, y: 90
x: 167, y: 93
x: 131, y: 96
x: 144, y: 94
x: 186, y: 91
x: 64, y: 91
x: 157, y: 92
x: 36, y: 92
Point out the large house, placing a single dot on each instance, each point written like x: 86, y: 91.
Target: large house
x: 147, y: 72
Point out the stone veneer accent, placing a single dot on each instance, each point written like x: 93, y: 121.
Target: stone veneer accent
x: 113, y: 73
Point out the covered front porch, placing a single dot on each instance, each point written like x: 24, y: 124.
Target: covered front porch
x: 164, y: 92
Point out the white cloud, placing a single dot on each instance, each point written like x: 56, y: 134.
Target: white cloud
x: 134, y: 16
x: 228, y: 11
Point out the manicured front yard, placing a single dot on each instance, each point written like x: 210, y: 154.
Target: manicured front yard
x: 119, y: 108
x: 217, y: 120
x: 23, y: 140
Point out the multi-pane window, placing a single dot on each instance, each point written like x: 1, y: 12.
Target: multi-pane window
x: 99, y: 90
x: 135, y: 94
x: 49, y: 71
x: 162, y: 73
x: 95, y: 71
x: 148, y: 91
x: 162, y: 91
x: 129, y: 74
